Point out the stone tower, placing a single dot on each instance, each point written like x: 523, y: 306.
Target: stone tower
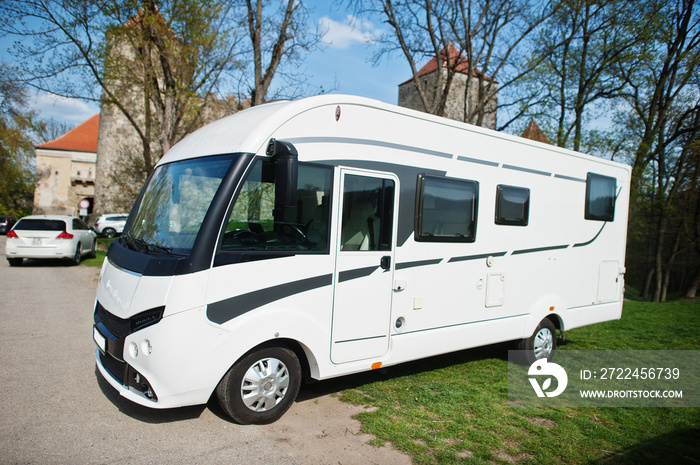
x: 119, y: 172
x: 455, y: 105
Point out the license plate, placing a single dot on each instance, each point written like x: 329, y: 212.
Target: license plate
x: 36, y: 241
x: 99, y: 339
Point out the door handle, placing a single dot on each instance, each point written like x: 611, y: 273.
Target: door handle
x: 385, y: 263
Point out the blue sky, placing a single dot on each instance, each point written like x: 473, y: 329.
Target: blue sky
x: 343, y: 61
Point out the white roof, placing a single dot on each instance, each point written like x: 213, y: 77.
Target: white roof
x: 249, y: 131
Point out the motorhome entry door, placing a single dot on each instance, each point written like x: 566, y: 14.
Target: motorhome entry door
x: 364, y: 270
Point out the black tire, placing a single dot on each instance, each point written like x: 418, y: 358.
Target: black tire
x: 15, y: 261
x: 541, y: 344
x: 78, y: 256
x: 274, y: 388
x: 109, y: 232
x: 92, y: 253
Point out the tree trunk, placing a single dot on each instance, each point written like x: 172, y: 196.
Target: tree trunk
x: 647, y: 284
x: 692, y: 290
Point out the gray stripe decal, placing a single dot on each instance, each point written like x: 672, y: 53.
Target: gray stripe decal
x: 569, y: 178
x: 476, y: 257
x: 540, y: 249
x: 377, y: 143
x: 361, y: 339
x: 225, y: 310
x: 526, y: 170
x: 480, y: 162
x: 402, y: 266
x: 355, y: 274
x: 583, y: 244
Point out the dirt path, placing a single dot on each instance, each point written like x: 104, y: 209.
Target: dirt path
x: 322, y: 431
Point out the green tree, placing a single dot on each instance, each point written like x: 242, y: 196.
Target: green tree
x: 160, y: 62
x: 16, y: 147
x: 662, y: 97
x: 577, y: 54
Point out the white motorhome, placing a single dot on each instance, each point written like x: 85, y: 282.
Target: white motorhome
x: 336, y: 234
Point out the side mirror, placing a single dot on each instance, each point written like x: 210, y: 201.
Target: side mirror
x: 286, y: 160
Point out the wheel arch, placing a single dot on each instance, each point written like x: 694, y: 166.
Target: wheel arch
x: 550, y: 307
x: 309, y: 366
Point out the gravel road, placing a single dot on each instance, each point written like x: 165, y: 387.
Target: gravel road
x: 55, y: 407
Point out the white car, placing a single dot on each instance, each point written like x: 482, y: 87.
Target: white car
x: 111, y: 224
x: 63, y: 237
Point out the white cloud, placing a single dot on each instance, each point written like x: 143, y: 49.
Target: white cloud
x: 351, y: 31
x: 72, y: 111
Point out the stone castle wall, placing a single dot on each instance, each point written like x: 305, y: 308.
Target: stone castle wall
x: 454, y: 107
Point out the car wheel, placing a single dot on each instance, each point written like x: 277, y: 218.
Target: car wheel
x: 15, y: 261
x: 109, y: 232
x: 77, y: 257
x: 93, y: 250
x: 261, y: 386
x: 540, y: 345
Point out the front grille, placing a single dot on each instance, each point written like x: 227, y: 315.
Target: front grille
x: 114, y: 366
x: 117, y: 326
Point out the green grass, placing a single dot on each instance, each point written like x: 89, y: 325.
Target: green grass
x: 102, y: 247
x: 454, y: 408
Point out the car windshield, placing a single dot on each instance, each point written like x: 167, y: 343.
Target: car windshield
x: 174, y: 205
x: 40, y: 225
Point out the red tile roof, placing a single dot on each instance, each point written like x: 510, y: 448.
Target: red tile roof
x: 82, y: 138
x: 456, y: 59
x: 533, y: 132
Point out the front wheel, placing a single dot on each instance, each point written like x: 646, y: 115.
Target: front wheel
x: 540, y: 345
x: 261, y: 386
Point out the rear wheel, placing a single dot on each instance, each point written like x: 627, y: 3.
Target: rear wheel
x: 93, y: 249
x: 261, y: 386
x: 15, y: 261
x: 109, y: 232
x: 540, y: 345
x: 77, y: 257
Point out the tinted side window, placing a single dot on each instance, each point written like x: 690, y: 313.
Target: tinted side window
x: 512, y: 205
x: 255, y: 224
x: 446, y: 209
x: 600, y: 197
x: 368, y: 205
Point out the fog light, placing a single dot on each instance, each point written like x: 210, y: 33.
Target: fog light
x: 133, y: 349
x: 137, y: 378
x: 146, y: 347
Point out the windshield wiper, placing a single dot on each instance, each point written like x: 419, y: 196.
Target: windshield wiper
x: 127, y: 240
x: 152, y: 247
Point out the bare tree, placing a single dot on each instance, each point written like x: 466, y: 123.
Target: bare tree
x: 173, y: 54
x: 489, y: 37
x: 276, y: 36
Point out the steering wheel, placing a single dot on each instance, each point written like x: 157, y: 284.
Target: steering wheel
x: 294, y: 233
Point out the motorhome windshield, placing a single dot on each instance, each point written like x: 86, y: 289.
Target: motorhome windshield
x: 174, y: 205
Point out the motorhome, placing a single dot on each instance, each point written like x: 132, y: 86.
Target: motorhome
x: 331, y: 235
